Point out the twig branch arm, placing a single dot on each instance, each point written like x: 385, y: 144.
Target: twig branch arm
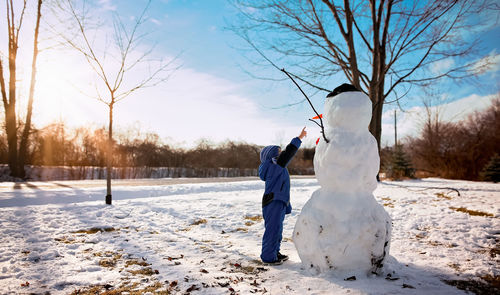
x: 310, y: 103
x: 291, y: 78
x: 315, y: 122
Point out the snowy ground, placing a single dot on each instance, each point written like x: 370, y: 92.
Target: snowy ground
x: 204, y: 238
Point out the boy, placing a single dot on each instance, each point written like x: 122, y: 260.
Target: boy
x: 276, y: 199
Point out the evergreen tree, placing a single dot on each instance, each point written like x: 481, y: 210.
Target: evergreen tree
x: 491, y: 172
x: 401, y: 166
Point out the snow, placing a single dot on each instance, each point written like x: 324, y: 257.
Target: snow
x: 208, y: 235
x: 342, y: 229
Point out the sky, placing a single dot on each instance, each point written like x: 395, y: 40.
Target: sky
x: 210, y: 95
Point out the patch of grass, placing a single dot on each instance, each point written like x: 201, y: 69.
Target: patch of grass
x: 94, y: 230
x: 249, y: 269
x: 472, y: 212
x: 485, y: 285
x: 136, y: 262
x: 435, y: 243
x: 106, y: 254
x: 91, y: 291
x: 388, y: 202
x: 492, y: 280
x: 199, y: 221
x: 492, y: 251
x: 146, y: 271
x: 110, y: 260
x: 130, y: 288
x: 249, y: 223
x: 495, y: 251
x: 205, y: 249
x: 67, y: 240
x: 390, y: 205
x: 245, y: 230
x: 105, y: 262
x: 455, y: 266
x: 255, y: 218
x: 443, y: 196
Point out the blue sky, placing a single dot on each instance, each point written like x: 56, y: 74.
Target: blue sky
x: 211, y: 96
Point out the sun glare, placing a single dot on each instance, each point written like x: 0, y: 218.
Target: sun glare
x: 62, y: 92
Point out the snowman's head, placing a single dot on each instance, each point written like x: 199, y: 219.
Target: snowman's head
x: 348, y: 108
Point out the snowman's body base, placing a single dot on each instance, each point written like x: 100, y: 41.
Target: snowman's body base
x: 349, y: 236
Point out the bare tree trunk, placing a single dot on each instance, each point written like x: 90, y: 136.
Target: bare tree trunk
x: 10, y: 126
x: 11, y: 130
x: 23, y: 146
x: 376, y: 122
x: 353, y: 60
x: 10, y: 110
x: 376, y: 92
x: 395, y: 130
x: 109, y: 155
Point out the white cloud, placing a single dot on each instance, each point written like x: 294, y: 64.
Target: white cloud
x: 487, y: 64
x: 194, y: 105
x: 248, y: 9
x: 107, y: 5
x: 156, y: 21
x: 441, y: 66
x: 410, y: 122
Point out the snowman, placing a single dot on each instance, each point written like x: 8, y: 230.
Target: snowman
x: 341, y: 228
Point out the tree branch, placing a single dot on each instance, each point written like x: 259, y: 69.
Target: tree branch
x: 310, y: 103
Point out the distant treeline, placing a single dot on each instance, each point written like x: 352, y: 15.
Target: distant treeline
x: 458, y: 150
x: 57, y: 145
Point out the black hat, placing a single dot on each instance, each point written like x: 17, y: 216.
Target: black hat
x: 342, y: 88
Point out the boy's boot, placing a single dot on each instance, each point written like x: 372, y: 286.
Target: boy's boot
x: 282, y: 257
x: 277, y: 262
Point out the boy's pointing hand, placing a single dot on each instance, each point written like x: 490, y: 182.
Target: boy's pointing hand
x: 303, y: 133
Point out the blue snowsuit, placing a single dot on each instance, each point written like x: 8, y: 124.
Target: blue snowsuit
x: 276, y: 199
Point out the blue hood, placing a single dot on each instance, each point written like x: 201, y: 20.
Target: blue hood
x: 268, y: 156
x: 269, y: 152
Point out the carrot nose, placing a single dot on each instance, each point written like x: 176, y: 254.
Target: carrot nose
x: 317, y: 117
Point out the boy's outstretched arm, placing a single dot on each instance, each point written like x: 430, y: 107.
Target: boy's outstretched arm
x: 286, y: 156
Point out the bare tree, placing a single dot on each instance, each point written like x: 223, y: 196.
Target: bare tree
x: 113, y: 63
x: 17, y: 158
x: 23, y: 145
x: 460, y: 149
x: 382, y: 47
